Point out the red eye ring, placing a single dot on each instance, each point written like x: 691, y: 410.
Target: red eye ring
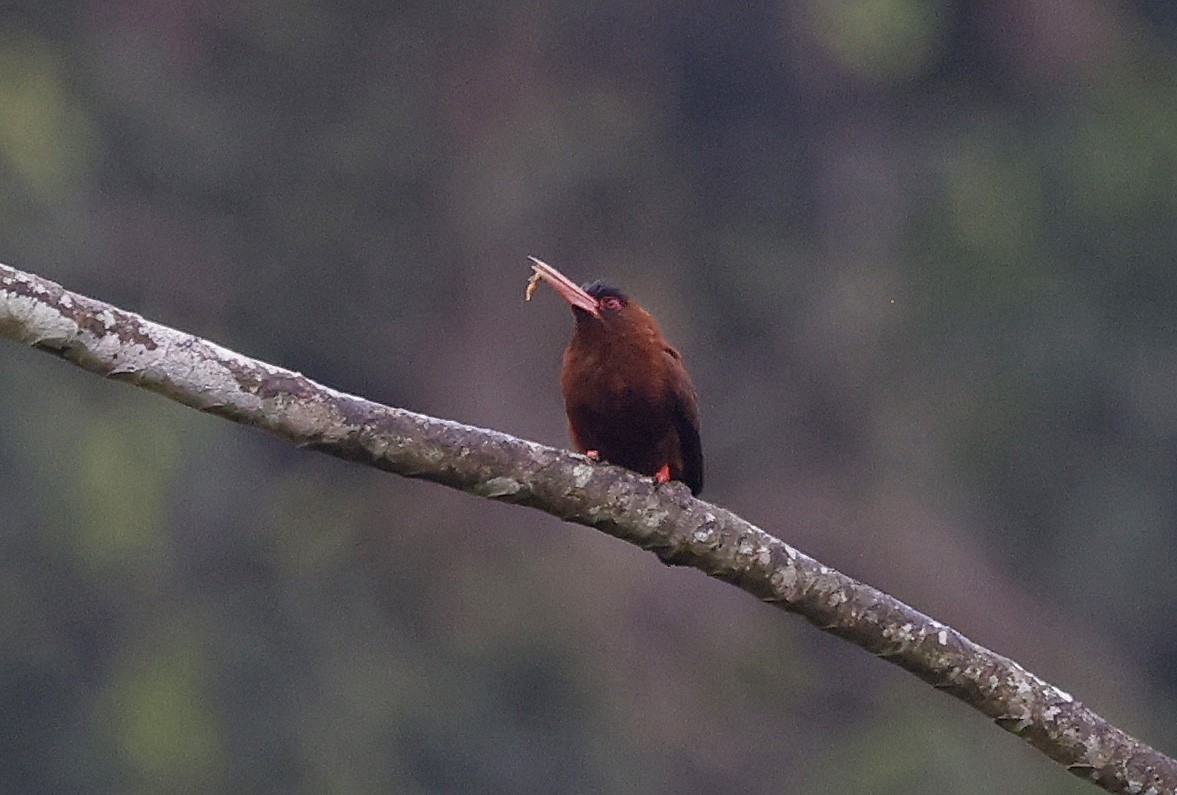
x: 610, y: 302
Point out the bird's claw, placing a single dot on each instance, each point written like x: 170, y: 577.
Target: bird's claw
x: 592, y: 455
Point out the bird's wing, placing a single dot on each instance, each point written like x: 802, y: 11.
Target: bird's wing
x: 686, y: 422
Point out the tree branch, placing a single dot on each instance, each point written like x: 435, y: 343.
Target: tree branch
x: 664, y: 519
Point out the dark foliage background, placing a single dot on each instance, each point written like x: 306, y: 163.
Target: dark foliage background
x: 918, y: 254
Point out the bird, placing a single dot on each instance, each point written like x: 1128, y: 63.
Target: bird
x: 628, y: 397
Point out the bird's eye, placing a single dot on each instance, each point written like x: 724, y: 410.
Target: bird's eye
x: 611, y: 302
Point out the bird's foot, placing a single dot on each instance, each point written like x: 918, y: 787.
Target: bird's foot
x: 593, y: 455
x: 663, y: 474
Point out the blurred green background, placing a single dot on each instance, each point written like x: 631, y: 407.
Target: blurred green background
x: 918, y: 255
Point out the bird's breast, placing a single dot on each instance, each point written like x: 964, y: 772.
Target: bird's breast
x: 620, y: 376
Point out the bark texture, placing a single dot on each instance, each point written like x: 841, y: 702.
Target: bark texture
x: 663, y: 519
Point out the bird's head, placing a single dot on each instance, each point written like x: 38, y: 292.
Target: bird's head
x: 597, y: 306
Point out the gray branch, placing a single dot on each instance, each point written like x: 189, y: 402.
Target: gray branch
x: 663, y: 519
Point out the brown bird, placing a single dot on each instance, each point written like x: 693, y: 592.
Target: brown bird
x: 628, y: 397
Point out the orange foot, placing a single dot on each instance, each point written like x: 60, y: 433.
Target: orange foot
x: 593, y: 455
x: 663, y: 474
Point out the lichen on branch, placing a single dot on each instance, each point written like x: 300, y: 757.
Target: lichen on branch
x: 664, y: 519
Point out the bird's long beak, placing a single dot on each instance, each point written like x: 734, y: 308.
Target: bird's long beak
x: 567, y: 288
